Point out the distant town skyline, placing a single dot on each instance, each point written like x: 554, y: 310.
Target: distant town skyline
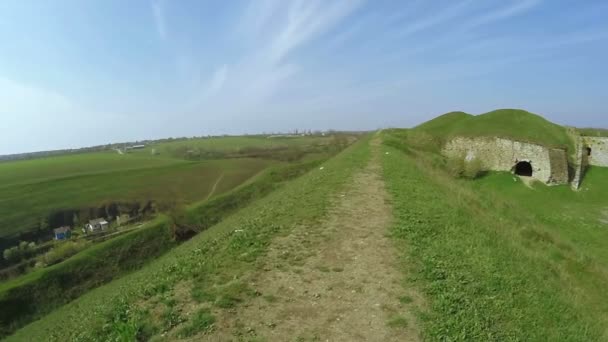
x: 76, y: 74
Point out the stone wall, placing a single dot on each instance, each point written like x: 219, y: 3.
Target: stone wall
x: 498, y: 154
x: 599, y: 150
x: 580, y: 165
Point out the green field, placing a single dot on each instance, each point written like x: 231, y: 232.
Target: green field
x: 180, y: 183
x: 230, y: 145
x: 215, y: 258
x: 47, y: 192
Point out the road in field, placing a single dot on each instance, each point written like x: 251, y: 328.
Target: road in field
x: 337, y: 281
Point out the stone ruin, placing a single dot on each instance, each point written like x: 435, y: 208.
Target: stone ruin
x: 546, y: 164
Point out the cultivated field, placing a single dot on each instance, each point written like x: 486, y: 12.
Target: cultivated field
x: 46, y: 193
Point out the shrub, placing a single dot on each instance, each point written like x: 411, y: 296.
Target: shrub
x: 459, y: 167
x: 472, y: 169
x: 455, y: 166
x: 63, y: 251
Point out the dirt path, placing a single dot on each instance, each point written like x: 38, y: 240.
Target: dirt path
x: 338, y: 281
x: 214, y: 187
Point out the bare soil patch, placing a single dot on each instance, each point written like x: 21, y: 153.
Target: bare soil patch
x: 337, y: 281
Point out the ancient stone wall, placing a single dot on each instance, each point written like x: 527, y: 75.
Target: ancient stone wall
x: 498, y: 154
x: 580, y: 164
x: 599, y: 150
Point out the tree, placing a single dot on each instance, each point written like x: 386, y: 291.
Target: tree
x: 44, y: 224
x: 11, y: 254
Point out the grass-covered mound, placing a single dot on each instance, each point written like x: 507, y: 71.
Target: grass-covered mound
x: 443, y: 125
x: 497, y: 260
x: 506, y: 123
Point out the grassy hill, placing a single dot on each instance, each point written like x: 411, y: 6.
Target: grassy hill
x: 499, y: 261
x: 507, y: 123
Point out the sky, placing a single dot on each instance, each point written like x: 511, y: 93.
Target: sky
x: 79, y: 73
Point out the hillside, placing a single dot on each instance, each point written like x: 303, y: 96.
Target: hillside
x: 211, y: 265
x: 374, y: 235
x: 507, y: 123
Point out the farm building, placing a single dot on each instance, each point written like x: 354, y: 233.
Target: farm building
x: 62, y: 233
x: 95, y: 225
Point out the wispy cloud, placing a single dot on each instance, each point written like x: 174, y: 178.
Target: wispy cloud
x: 435, y: 18
x: 502, y: 13
x: 159, y: 18
x: 278, y: 29
x: 307, y: 20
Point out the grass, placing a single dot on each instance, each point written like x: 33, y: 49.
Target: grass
x: 202, y: 321
x: 498, y: 261
x: 593, y: 132
x: 36, y: 293
x: 222, y: 253
x: 230, y: 144
x: 397, y: 321
x: 22, y: 206
x: 58, y: 167
x: 505, y: 123
x: 39, y: 194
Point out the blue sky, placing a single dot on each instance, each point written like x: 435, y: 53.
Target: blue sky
x: 76, y: 73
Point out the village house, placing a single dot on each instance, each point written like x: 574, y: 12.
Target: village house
x: 95, y: 225
x: 62, y: 233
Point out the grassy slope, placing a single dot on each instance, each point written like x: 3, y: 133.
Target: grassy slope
x: 39, y: 292
x: 23, y: 205
x: 492, y: 266
x: 211, y: 259
x: 507, y: 123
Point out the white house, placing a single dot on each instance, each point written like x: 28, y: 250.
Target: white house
x: 95, y: 225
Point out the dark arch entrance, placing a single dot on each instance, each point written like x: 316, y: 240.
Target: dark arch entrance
x: 523, y: 168
x: 589, y: 151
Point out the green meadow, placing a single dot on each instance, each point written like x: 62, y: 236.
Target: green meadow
x: 496, y: 259
x: 31, y: 191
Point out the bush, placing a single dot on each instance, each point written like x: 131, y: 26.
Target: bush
x: 472, y: 169
x: 61, y: 252
x: 455, y: 166
x: 459, y: 167
x: 17, y: 253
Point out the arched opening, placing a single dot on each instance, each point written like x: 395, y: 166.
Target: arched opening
x: 523, y: 168
x: 588, y: 151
